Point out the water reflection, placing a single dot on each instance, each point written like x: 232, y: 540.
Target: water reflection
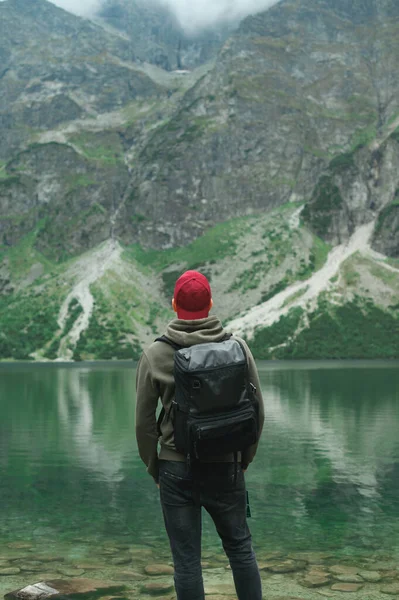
x: 76, y: 417
x: 330, y: 440
x: 326, y: 475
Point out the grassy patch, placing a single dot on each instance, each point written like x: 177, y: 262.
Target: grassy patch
x: 27, y: 323
x: 342, y: 162
x: 320, y: 252
x: 354, y: 330
x: 386, y: 215
x: 274, y: 290
x: 363, y: 137
x: 251, y: 278
x: 75, y: 309
x: 295, y: 296
x: 107, y: 337
x: 390, y: 278
x: 103, y: 148
x: 23, y: 256
x: 395, y: 135
x: 110, y: 334
x: 279, y: 333
x: 77, y: 181
x: 326, y: 201
x: 220, y: 241
x: 3, y: 172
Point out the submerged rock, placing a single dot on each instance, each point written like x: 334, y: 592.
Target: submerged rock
x: 391, y: 589
x: 371, y: 576
x: 349, y: 578
x: 121, y: 560
x: 346, y: 587
x: 316, y: 579
x: 71, y: 572
x: 57, y: 588
x: 288, y: 566
x: 159, y: 570
x: 4, y: 572
x: 155, y: 589
x: 343, y: 570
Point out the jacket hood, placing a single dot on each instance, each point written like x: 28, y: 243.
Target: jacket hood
x: 187, y: 333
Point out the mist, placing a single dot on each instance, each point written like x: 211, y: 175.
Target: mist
x: 193, y: 15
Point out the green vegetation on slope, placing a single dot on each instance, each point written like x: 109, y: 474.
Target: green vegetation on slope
x: 107, y: 336
x: 26, y: 324
x: 326, y: 201
x: 105, y: 147
x: 267, y: 338
x: 387, y: 213
x: 218, y: 242
x: 356, y: 330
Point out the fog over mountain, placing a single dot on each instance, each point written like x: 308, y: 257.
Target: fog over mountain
x: 192, y: 15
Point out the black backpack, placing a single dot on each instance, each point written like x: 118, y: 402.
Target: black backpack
x: 215, y: 410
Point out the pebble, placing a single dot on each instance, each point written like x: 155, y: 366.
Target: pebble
x: 128, y: 576
x: 288, y: 566
x: 390, y: 589
x: 31, y: 567
x: 222, y: 589
x: 266, y: 565
x: 315, y: 580
x: 90, y: 566
x: 349, y: 578
x: 159, y: 570
x: 155, y: 589
x: 371, y: 576
x: 48, y: 559
x: 387, y: 575
x: 20, y: 545
x: 71, y: 572
x: 219, y: 597
x: 121, y: 560
x: 343, y: 570
x: 68, y: 587
x: 9, y: 571
x: 137, y: 551
x: 346, y: 587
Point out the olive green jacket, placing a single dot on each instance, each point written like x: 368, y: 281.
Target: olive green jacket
x: 155, y: 381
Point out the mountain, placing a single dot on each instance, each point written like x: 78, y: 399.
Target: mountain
x: 296, y: 87
x: 158, y: 38
x: 273, y: 168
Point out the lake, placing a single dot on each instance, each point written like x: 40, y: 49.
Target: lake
x: 76, y: 500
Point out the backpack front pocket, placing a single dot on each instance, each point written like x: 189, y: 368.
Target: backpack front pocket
x: 221, y: 434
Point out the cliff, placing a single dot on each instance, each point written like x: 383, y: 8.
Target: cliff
x: 273, y: 168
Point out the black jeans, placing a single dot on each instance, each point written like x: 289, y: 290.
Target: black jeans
x: 183, y: 492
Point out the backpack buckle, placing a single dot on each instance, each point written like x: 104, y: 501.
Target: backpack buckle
x: 196, y: 384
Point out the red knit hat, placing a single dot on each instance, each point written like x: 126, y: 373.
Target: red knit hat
x: 192, y: 296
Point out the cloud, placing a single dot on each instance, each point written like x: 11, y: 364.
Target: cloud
x: 199, y: 14
x: 79, y: 7
x: 192, y: 14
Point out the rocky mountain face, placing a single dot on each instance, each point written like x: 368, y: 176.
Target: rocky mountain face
x: 157, y: 37
x: 296, y: 87
x: 273, y: 168
x: 58, y: 69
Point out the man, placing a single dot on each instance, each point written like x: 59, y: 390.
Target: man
x: 184, y: 488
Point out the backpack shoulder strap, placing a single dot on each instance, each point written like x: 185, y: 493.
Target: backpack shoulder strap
x: 175, y: 347
x: 166, y: 340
